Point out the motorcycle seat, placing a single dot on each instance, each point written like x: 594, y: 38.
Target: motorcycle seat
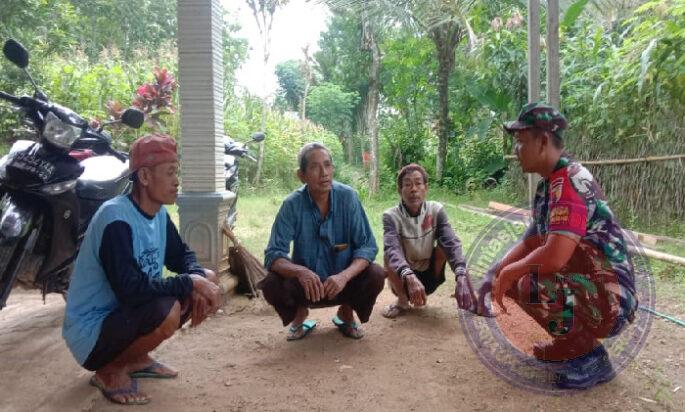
x: 103, y: 178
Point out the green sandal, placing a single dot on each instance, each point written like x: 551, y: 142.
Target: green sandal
x: 300, y: 331
x: 349, y: 330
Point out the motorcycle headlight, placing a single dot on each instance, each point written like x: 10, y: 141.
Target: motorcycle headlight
x: 57, y: 188
x: 59, y: 133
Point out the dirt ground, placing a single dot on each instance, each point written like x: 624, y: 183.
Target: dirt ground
x: 239, y: 360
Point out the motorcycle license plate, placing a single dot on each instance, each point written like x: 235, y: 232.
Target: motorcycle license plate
x: 31, y: 167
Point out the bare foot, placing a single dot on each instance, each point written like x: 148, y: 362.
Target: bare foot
x: 119, y: 388
x: 394, y: 310
x: 139, y: 363
x: 300, y: 316
x: 346, y: 314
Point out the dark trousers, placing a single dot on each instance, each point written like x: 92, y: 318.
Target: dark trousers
x: 286, y: 295
x: 128, y: 323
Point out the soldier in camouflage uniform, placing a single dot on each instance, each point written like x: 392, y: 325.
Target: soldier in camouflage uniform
x: 571, y: 270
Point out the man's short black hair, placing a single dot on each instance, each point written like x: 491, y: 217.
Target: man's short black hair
x: 411, y: 167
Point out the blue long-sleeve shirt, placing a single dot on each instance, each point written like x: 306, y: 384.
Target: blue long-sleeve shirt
x: 120, y: 262
x: 324, y: 246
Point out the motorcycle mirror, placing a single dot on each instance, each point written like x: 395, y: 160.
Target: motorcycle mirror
x: 133, y: 118
x: 258, y: 137
x: 16, y: 53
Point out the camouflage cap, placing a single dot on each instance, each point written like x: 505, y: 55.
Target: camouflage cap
x: 538, y: 115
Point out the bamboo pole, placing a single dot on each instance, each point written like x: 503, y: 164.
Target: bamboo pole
x: 645, y: 251
x: 484, y: 212
x: 501, y: 207
x: 658, y: 255
x: 636, y: 160
x: 553, y: 66
x: 533, y: 72
x: 621, y: 161
x: 533, y: 50
x: 644, y: 238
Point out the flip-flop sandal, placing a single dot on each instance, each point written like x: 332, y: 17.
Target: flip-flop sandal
x: 300, y: 331
x: 110, y: 394
x: 349, y: 330
x: 394, y: 310
x: 151, y: 372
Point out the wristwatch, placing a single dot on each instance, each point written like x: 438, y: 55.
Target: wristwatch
x: 461, y: 271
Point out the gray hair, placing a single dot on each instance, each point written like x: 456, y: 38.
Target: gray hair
x: 303, y: 156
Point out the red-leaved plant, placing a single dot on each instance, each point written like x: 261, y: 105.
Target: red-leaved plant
x: 153, y: 99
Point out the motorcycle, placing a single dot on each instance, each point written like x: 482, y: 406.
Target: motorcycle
x: 51, y: 188
x: 233, y: 152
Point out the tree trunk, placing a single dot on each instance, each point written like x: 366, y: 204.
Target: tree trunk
x: 359, y: 129
x: 349, y: 144
x: 369, y: 43
x: 443, y: 116
x: 360, y: 120
x: 307, y: 68
x: 265, y: 57
x: 372, y: 121
x: 260, y: 157
x: 303, y: 102
x: 446, y: 37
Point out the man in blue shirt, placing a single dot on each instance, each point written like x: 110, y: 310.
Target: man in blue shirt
x: 332, y: 256
x: 119, y: 306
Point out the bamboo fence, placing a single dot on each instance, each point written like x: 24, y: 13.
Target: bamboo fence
x: 644, y: 180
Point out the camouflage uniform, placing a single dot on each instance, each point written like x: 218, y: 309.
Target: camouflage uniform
x: 595, y: 291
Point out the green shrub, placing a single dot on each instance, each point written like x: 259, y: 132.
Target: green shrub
x: 284, y: 138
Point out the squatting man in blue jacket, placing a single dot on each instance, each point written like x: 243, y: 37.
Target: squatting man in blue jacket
x: 120, y: 307
x: 332, y: 255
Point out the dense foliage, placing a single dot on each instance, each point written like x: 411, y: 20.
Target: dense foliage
x: 623, y: 87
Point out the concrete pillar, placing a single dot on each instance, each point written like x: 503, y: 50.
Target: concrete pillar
x: 203, y: 203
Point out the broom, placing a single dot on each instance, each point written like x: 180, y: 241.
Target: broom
x: 244, y: 264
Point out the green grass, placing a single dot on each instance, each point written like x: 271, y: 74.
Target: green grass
x: 257, y: 210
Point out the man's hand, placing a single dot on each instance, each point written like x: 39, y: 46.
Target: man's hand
x: 481, y: 308
x: 502, y: 284
x: 415, y: 289
x: 334, y: 285
x: 463, y: 292
x: 484, y: 289
x: 199, y: 309
x: 313, y: 288
x: 207, y: 290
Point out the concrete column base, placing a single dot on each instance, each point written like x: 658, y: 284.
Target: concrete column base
x: 201, y: 216
x: 228, y: 282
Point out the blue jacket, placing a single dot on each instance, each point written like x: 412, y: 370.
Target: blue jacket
x: 325, y: 246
